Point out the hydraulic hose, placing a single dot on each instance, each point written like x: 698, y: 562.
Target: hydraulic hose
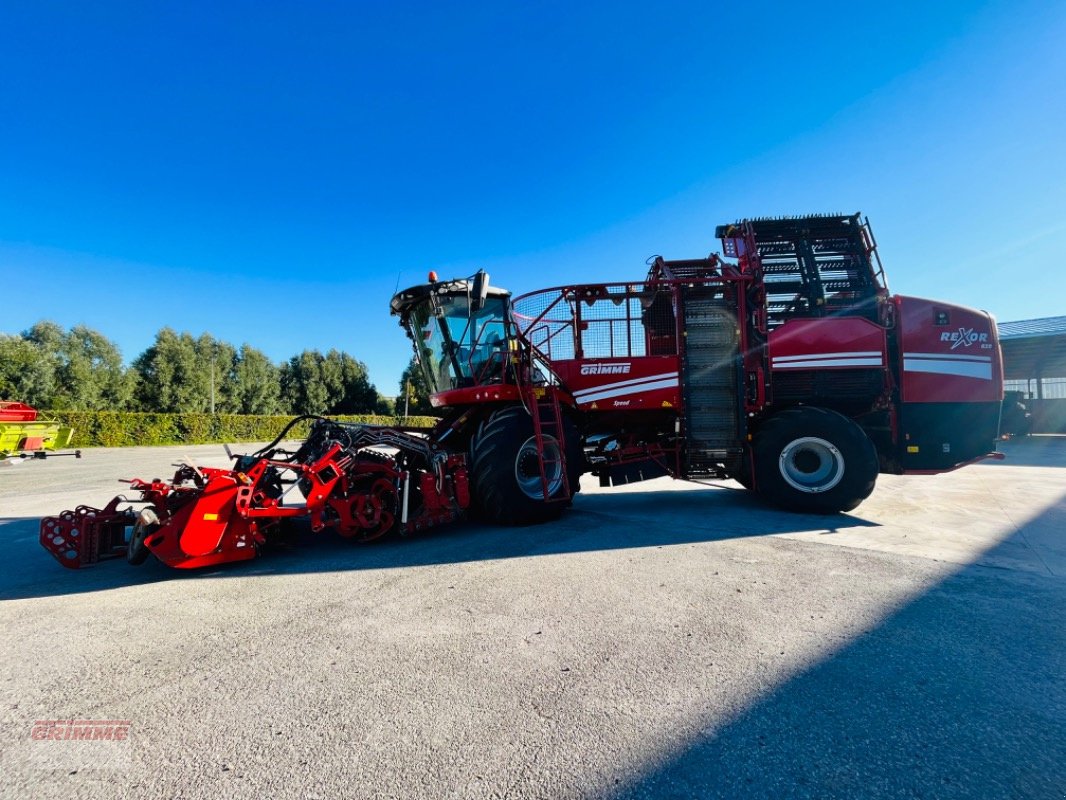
x: 292, y: 423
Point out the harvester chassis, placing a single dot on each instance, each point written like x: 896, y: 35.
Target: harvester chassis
x: 793, y: 371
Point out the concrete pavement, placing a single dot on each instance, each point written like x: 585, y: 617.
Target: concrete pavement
x: 663, y: 639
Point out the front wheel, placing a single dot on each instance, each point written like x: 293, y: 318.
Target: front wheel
x: 505, y: 472
x: 814, y: 460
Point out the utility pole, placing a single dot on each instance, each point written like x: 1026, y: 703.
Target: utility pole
x: 212, y: 384
x: 406, y: 398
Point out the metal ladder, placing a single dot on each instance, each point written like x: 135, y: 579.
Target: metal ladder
x: 547, y: 414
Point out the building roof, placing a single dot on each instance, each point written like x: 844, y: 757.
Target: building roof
x: 1025, y: 328
x: 1034, y: 348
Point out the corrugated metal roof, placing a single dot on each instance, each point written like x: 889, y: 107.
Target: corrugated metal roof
x: 1034, y: 348
x: 1031, y: 328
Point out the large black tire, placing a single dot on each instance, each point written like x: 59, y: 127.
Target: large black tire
x: 814, y: 460
x: 505, y: 476
x: 743, y: 473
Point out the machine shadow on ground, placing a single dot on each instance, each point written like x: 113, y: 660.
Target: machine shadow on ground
x: 957, y: 694
x: 608, y: 521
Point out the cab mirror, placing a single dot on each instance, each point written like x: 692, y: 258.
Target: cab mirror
x: 479, y: 291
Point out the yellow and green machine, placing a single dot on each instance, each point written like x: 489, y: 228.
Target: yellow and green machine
x: 24, y: 435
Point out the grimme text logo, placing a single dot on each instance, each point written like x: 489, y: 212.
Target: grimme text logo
x: 109, y: 730
x: 605, y: 369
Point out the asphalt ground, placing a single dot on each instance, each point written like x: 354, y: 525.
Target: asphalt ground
x: 661, y: 640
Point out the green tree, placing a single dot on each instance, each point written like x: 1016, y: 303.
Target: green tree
x: 257, y: 383
x: 47, y: 335
x: 218, y: 361
x: 303, y: 389
x: 86, y: 366
x: 169, y: 380
x: 162, y: 371
x: 335, y: 383
x: 179, y: 373
x: 81, y: 369
x: 91, y: 374
x: 414, y: 393
x: 353, y: 391
x: 46, y: 339
x: 26, y: 374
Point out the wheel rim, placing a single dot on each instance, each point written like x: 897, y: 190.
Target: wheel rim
x: 811, y: 465
x: 527, y: 468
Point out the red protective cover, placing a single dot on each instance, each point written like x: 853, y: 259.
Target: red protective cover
x: 828, y: 343
x: 602, y: 384
x: 949, y: 354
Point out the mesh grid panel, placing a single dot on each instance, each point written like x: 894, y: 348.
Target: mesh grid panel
x: 612, y: 321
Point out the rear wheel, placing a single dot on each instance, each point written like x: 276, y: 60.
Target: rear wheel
x: 814, y: 460
x: 505, y: 472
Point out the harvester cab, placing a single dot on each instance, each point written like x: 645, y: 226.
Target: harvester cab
x: 460, y: 332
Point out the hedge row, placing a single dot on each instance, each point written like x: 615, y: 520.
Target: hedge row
x: 129, y: 428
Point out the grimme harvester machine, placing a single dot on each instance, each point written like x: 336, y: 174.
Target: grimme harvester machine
x: 785, y: 365
x: 23, y: 435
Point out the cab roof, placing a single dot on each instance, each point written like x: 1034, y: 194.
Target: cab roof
x: 402, y: 302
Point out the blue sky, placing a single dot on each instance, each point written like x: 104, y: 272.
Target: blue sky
x: 268, y: 173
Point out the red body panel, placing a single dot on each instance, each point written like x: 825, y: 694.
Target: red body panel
x: 209, y: 516
x: 16, y: 412
x: 828, y: 343
x: 475, y: 394
x: 639, y: 383
x: 949, y: 354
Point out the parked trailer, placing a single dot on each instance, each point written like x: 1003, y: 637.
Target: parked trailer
x: 786, y: 365
x: 23, y: 435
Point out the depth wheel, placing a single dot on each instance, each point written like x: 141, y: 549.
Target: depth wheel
x: 137, y: 551
x: 814, y: 460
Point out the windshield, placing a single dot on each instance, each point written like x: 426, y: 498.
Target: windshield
x: 457, y: 348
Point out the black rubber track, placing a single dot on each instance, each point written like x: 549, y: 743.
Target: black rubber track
x: 496, y: 494
x: 856, y: 449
